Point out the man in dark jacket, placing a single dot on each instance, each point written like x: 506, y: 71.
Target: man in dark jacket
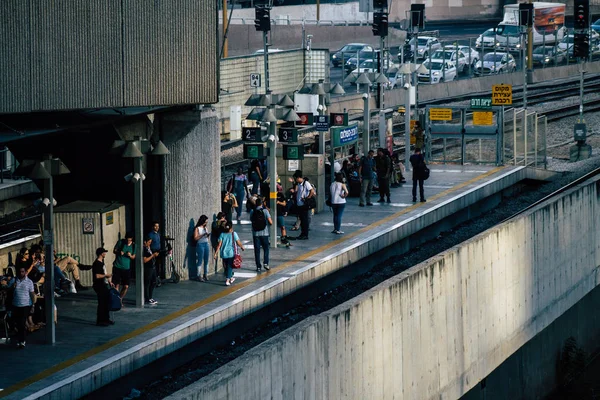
x: 418, y: 165
x: 383, y: 165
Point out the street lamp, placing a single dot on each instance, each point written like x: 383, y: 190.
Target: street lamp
x: 44, y: 170
x: 136, y: 149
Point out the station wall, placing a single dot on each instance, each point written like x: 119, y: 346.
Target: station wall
x: 437, y: 329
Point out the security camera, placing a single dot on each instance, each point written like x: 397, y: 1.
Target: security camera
x: 406, y: 86
x: 271, y: 138
x: 136, y: 177
x: 365, y: 96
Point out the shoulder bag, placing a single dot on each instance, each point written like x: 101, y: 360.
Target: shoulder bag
x: 237, y: 258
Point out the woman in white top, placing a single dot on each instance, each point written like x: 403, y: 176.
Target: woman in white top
x: 201, y: 235
x: 338, y: 193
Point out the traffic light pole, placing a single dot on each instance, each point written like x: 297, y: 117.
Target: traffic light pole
x: 266, y: 61
x: 272, y: 142
x: 381, y: 70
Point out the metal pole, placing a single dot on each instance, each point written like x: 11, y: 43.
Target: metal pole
x: 581, y: 82
x: 380, y: 87
x: 529, y: 74
x: 407, y: 127
x: 138, y: 229
x: 366, y: 119
x: 382, y: 129
x: 49, y: 243
x: 524, y: 74
x: 273, y: 185
x: 266, y: 62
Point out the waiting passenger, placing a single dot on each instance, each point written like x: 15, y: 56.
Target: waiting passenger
x: 225, y: 247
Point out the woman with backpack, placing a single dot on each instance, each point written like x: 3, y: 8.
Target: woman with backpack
x: 226, y: 249
x: 201, y: 236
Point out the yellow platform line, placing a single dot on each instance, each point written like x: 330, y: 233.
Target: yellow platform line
x: 67, y: 363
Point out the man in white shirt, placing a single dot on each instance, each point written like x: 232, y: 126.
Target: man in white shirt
x: 304, y: 191
x: 23, y: 301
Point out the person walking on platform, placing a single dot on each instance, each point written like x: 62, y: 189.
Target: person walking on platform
x: 304, y: 191
x: 256, y: 175
x: 125, y: 252
x: 261, y: 220
x: 216, y: 228
x: 383, y: 164
x: 365, y: 171
x: 338, y: 194
x: 225, y: 248
x: 101, y: 286
x: 240, y: 189
x: 417, y: 160
x: 201, y: 236
x: 149, y: 271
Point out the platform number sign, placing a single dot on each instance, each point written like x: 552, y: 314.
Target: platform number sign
x: 251, y: 134
x: 288, y: 135
x: 255, y: 80
x: 501, y: 95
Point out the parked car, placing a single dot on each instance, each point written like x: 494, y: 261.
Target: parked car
x: 487, y: 40
x: 470, y: 53
x: 596, y: 25
x: 348, y: 51
x: 438, y: 71
x: 425, y: 45
x: 544, y: 56
x: 496, y: 63
x: 569, y: 39
x: 395, y: 77
x: 366, y: 66
x: 458, y: 59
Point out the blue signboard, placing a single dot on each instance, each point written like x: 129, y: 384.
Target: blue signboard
x: 344, y: 135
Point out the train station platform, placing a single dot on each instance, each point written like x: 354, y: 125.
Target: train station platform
x: 87, y: 357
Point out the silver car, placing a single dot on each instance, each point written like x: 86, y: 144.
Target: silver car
x: 496, y: 63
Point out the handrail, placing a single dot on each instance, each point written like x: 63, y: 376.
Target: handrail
x: 283, y: 20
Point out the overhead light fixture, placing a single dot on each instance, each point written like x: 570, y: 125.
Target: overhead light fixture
x: 363, y: 79
x: 160, y: 149
x: 291, y: 116
x: 381, y: 78
x: 286, y: 101
x: 337, y: 89
x: 256, y: 114
x: 317, y: 88
x: 132, y: 151
x: 268, y: 116
x: 39, y: 171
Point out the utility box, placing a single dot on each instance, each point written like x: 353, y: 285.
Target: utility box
x: 312, y: 167
x: 81, y: 227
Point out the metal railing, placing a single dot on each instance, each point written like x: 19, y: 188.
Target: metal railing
x: 286, y: 20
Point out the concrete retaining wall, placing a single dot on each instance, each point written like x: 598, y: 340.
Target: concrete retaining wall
x: 437, y: 329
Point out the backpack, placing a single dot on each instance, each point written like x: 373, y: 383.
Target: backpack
x: 259, y: 220
x: 114, y: 300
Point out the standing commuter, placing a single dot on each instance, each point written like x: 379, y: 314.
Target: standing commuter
x: 304, y: 191
x: 226, y: 249
x: 125, y: 252
x: 419, y: 136
x: 418, y: 164
x: 383, y: 164
x: 240, y: 189
x: 365, y: 171
x: 261, y: 220
x: 201, y: 236
x: 23, y: 303
x: 338, y: 194
x: 101, y: 287
x: 155, y: 247
x: 149, y: 271
x: 256, y: 175
x: 217, y: 227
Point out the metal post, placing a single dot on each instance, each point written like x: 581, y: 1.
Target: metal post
x: 380, y: 87
x: 535, y: 146
x: 529, y: 74
x: 523, y: 55
x: 514, y: 136
x: 49, y: 244
x: 266, y: 62
x: 463, y: 146
x: 225, y: 22
x: 273, y: 185
x: 407, y: 127
x: 366, y: 119
x: 581, y: 82
x: 138, y: 229
x: 382, y: 129
x: 525, y: 133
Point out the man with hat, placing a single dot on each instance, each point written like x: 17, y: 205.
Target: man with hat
x: 101, y: 287
x: 304, y: 191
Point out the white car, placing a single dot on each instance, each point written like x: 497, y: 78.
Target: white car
x: 496, y: 63
x: 487, y: 40
x: 437, y: 71
x: 366, y: 66
x: 470, y: 53
x: 395, y: 77
x: 425, y: 45
x: 458, y: 59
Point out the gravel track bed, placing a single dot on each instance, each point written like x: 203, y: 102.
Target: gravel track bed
x: 202, y: 366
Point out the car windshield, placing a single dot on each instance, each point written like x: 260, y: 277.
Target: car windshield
x: 433, y: 65
x: 597, y: 22
x: 391, y: 73
x: 493, y: 57
x: 507, y: 30
x: 446, y: 55
x: 366, y: 64
x: 568, y: 39
x: 543, y: 50
x: 489, y: 32
x: 351, y: 47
